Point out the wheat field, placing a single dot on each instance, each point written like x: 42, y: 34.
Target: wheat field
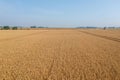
x: 60, y: 54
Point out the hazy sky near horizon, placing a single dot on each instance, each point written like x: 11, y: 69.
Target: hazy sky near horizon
x: 60, y: 13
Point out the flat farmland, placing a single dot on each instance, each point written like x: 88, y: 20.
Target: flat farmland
x: 114, y: 33
x: 60, y: 54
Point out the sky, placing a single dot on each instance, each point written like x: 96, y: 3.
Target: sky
x: 60, y: 13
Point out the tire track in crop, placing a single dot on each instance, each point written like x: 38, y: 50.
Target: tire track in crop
x: 49, y: 71
x: 102, y: 36
x: 17, y: 37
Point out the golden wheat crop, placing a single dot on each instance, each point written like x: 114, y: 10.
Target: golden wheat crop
x: 65, y: 54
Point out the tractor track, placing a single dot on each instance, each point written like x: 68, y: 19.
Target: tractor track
x: 102, y: 36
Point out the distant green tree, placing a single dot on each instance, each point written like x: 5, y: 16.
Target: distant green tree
x: 6, y: 27
x: 42, y: 27
x: 14, y: 28
x: 105, y: 28
x: 0, y: 27
x: 33, y: 27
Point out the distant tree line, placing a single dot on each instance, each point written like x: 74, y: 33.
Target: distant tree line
x: 20, y: 28
x: 38, y: 27
x: 8, y: 28
x: 89, y: 27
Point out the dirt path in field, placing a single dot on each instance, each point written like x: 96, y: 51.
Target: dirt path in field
x: 101, y: 36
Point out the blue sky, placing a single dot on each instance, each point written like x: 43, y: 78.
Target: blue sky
x: 60, y: 13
